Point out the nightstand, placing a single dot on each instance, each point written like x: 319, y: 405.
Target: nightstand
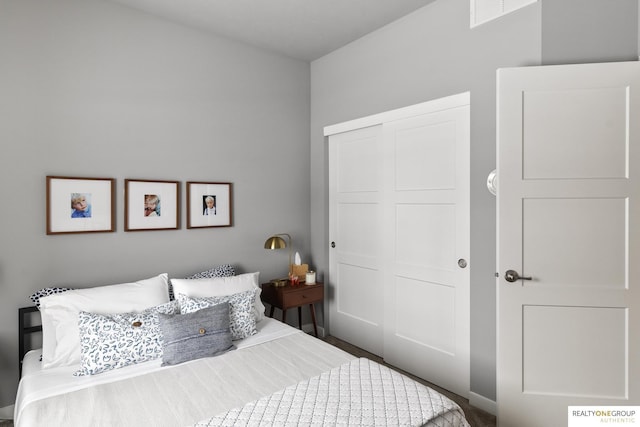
x: 286, y: 297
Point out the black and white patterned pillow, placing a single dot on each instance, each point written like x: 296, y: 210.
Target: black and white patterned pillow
x: 45, y: 292
x: 112, y: 341
x: 242, y: 321
x: 225, y: 270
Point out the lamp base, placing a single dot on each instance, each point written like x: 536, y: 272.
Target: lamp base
x: 279, y: 282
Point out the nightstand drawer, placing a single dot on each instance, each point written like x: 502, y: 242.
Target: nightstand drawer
x: 303, y: 296
x: 286, y: 297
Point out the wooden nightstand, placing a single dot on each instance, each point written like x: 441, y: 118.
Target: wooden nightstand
x: 286, y: 297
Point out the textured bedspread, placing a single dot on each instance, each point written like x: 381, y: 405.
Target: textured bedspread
x: 357, y: 393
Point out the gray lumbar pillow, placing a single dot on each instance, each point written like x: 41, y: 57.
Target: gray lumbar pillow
x: 203, y: 333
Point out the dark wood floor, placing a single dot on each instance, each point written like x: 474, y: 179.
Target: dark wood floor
x: 475, y: 416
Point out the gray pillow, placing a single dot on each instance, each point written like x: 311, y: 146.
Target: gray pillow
x: 203, y: 333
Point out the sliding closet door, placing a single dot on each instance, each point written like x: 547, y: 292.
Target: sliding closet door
x: 399, y: 231
x: 355, y: 278
x: 427, y: 245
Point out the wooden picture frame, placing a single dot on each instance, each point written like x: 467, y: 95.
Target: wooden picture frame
x: 209, y: 204
x: 151, y: 205
x: 80, y: 205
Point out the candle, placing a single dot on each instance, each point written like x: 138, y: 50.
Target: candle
x: 310, y: 278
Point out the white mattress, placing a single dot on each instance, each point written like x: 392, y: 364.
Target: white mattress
x: 147, y: 394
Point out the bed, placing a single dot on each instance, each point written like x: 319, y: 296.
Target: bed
x: 276, y: 375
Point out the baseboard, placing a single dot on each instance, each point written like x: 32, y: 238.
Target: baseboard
x: 483, y: 403
x: 6, y: 413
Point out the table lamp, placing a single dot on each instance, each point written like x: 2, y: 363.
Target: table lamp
x: 277, y: 242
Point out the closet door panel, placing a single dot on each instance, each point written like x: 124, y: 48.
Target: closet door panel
x: 426, y: 230
x: 416, y: 168
x: 424, y: 236
x: 355, y: 295
x: 430, y: 305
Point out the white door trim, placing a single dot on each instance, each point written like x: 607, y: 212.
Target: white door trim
x: 440, y: 104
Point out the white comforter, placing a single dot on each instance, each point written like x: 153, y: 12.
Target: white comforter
x: 150, y: 395
x: 277, y: 357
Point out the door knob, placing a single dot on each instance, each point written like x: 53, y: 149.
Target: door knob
x: 512, y: 276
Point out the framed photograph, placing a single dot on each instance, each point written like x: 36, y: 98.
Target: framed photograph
x: 151, y: 205
x: 80, y: 205
x: 208, y: 204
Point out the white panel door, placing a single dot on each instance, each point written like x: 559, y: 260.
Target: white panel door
x: 569, y: 231
x: 426, y: 245
x: 355, y: 282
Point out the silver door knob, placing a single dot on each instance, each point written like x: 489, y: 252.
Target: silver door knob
x: 513, y: 276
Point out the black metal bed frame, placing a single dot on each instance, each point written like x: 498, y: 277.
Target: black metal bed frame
x: 25, y: 328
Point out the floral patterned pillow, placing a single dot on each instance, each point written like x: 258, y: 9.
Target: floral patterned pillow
x: 242, y: 321
x: 112, y: 341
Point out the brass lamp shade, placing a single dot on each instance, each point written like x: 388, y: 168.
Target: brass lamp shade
x: 275, y: 242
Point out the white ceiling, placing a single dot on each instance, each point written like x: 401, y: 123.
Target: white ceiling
x: 302, y: 29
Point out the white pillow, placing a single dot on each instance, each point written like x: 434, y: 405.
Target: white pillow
x: 222, y: 286
x: 61, y: 335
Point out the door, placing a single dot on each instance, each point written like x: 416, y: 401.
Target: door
x: 427, y: 245
x: 399, y: 231
x: 568, y: 236
x: 355, y: 281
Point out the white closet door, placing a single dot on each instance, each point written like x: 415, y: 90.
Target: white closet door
x: 399, y: 218
x: 426, y: 246
x: 355, y: 278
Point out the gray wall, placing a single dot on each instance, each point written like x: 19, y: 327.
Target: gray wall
x: 93, y: 89
x: 433, y: 53
x: 579, y: 31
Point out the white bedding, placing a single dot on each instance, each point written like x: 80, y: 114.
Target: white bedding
x: 38, y: 383
x: 150, y: 395
x: 147, y: 394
